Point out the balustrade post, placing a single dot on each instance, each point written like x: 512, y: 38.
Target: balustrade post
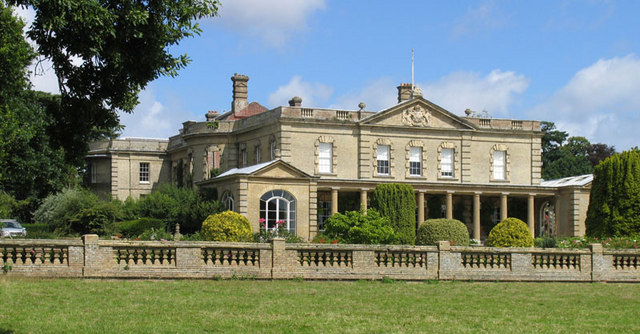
x: 91, y: 253
x: 278, y: 258
x: 598, y: 265
x: 444, y: 260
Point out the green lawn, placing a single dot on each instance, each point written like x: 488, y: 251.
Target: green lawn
x: 235, y: 306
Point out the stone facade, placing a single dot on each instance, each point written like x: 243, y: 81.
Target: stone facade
x: 312, y: 157
x: 94, y: 258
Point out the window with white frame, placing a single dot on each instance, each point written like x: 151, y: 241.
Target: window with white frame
x: 258, y: 154
x: 383, y: 159
x: 272, y: 149
x: 325, y: 157
x: 227, y: 201
x: 144, y: 172
x: 415, y: 161
x: 243, y: 157
x: 278, y: 207
x: 499, y: 165
x: 446, y: 162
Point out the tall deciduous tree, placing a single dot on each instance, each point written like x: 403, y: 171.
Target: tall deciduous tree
x: 103, y: 53
x: 614, y: 203
x: 398, y: 202
x: 30, y: 167
x: 564, y: 156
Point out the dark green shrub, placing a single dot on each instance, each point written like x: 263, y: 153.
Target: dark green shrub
x: 545, y: 242
x: 184, y: 206
x: 96, y: 219
x: 614, y: 202
x: 357, y: 228
x: 511, y: 232
x: 398, y: 203
x: 153, y: 234
x: 434, y: 230
x: 7, y: 203
x: 134, y: 228
x: 227, y: 226
x: 58, y: 210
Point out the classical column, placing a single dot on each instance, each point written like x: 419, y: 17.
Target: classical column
x: 531, y: 215
x: 449, y: 205
x: 476, y: 216
x: 334, y: 200
x: 503, y: 206
x: 420, y: 207
x: 363, y: 199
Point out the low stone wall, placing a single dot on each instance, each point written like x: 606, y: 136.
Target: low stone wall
x: 91, y: 257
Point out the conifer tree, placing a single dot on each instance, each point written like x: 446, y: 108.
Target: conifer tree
x: 397, y: 201
x: 614, y: 203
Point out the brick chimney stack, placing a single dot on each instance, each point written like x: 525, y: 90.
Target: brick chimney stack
x: 240, y: 92
x: 404, y: 92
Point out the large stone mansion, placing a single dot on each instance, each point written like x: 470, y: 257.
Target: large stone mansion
x: 300, y: 164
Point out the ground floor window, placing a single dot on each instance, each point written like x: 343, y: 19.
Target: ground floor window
x: 227, y: 201
x: 276, y: 206
x: 324, y: 212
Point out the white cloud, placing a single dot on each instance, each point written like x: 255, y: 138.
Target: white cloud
x: 485, y: 17
x: 312, y: 94
x: 601, y: 102
x: 377, y: 95
x: 41, y: 73
x: 494, y: 92
x: 273, y: 21
x: 151, y: 118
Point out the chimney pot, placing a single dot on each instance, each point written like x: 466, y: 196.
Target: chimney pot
x: 295, y: 101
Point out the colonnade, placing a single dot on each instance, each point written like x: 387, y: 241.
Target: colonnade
x: 504, y: 196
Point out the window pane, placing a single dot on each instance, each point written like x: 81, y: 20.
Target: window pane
x: 499, y: 158
x: 325, y: 157
x: 383, y: 152
x: 446, y: 162
x: 415, y: 154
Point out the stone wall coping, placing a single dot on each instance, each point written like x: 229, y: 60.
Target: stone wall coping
x: 40, y: 242
x: 519, y: 250
x: 629, y: 251
x: 183, y: 244
x: 343, y: 247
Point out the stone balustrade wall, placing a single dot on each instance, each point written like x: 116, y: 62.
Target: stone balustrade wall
x: 91, y: 257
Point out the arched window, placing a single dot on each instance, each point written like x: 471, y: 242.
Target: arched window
x: 276, y: 205
x: 227, y: 200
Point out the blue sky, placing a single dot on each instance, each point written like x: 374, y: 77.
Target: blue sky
x: 575, y: 63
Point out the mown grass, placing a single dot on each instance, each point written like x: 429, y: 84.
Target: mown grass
x: 246, y: 306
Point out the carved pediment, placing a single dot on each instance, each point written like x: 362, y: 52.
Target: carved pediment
x: 418, y: 113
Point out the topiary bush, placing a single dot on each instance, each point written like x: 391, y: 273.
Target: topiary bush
x: 511, y: 232
x: 227, y: 226
x: 434, y: 230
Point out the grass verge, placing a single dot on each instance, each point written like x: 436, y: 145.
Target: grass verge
x: 235, y: 306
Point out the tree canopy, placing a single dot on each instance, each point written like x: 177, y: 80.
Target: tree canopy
x: 564, y: 156
x: 103, y: 53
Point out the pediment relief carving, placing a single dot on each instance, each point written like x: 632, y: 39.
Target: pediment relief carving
x: 416, y: 116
